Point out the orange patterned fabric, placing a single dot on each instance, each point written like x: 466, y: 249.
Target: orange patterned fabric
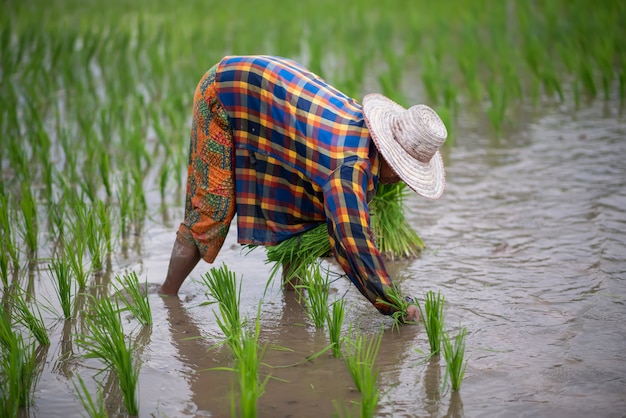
x: 210, y: 202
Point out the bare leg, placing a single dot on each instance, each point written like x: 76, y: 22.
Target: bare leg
x: 184, y: 258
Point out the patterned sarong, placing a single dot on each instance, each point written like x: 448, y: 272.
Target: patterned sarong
x: 210, y: 201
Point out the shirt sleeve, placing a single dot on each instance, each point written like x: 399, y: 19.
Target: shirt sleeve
x: 351, y: 238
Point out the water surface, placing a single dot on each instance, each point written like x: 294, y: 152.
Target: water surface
x: 528, y: 246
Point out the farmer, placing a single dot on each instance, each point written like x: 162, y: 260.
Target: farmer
x: 277, y: 145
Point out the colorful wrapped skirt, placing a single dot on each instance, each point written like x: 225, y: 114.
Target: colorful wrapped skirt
x: 210, y: 198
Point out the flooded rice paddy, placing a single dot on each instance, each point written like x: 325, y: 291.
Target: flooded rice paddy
x: 528, y: 246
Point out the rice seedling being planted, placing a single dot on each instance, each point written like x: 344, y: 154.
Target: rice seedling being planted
x: 360, y: 352
x: 108, y: 343
x: 135, y: 297
x: 222, y: 287
x: 249, y: 356
x: 335, y: 324
x: 400, y: 303
x: 454, y: 355
x: 317, y: 289
x: 433, y: 319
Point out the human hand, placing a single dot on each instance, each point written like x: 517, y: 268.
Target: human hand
x: 412, y: 314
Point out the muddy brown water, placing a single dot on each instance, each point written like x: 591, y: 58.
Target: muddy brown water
x: 528, y: 246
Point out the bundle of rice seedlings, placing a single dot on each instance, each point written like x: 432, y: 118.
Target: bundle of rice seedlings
x: 400, y: 303
x: 394, y: 236
x: 299, y: 252
x: 335, y: 322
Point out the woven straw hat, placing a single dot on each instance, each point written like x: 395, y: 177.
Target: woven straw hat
x: 409, y: 140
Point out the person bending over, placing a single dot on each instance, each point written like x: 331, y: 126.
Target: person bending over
x: 286, y: 151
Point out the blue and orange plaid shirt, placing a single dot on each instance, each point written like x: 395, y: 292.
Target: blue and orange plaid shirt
x: 303, y: 156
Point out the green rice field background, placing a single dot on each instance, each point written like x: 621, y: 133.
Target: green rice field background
x: 95, y: 112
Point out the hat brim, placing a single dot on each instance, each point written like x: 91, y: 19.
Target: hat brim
x: 426, y: 179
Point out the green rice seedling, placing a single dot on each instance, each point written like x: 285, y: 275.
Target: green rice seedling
x: 585, y: 74
x: 138, y: 197
x: 222, y: 287
x: 433, y: 319
x: 360, y: 352
x: 467, y: 65
x: 88, y: 223
x: 75, y: 252
x: 61, y: 272
x: 19, y: 376
x: 139, y: 304
x: 4, y: 268
x: 345, y: 410
x: 453, y: 354
x: 104, y: 167
x: 300, y: 252
x: 124, y: 199
x: 622, y: 87
x: 94, y: 408
x: 498, y: 99
x: 249, y: 356
x: 19, y: 161
x: 103, y: 217
x: 9, y: 247
x: 29, y: 211
x: 335, y: 324
x: 6, y: 332
x: 30, y: 317
x: 163, y: 179
x: 399, y: 302
x: 317, y: 287
x: 108, y: 343
x: 47, y: 175
x: 56, y: 211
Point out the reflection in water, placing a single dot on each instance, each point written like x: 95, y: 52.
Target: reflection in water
x: 455, y: 407
x: 62, y: 363
x: 210, y: 389
x: 432, y: 386
x: 301, y: 388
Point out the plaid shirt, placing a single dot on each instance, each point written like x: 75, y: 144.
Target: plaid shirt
x: 303, y: 155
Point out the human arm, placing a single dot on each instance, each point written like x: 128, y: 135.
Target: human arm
x: 352, y: 240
